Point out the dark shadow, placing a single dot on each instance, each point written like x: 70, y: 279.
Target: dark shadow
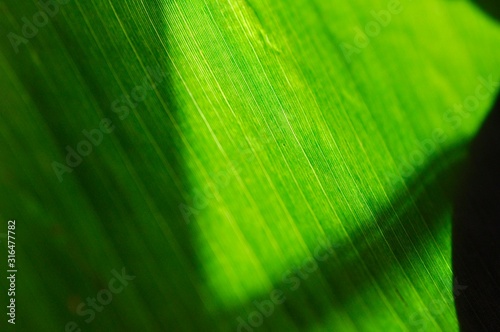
x: 405, y: 227
x: 403, y: 230
x: 135, y: 213
x: 476, y: 232
x: 169, y: 295
x: 476, y: 223
x: 490, y: 7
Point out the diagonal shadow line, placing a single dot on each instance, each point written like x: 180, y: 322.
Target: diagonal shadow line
x: 490, y: 7
x: 476, y: 229
x: 402, y: 234
x: 167, y: 295
x: 174, y: 288
x: 476, y: 232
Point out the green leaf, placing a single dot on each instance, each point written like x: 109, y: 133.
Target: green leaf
x: 232, y: 153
